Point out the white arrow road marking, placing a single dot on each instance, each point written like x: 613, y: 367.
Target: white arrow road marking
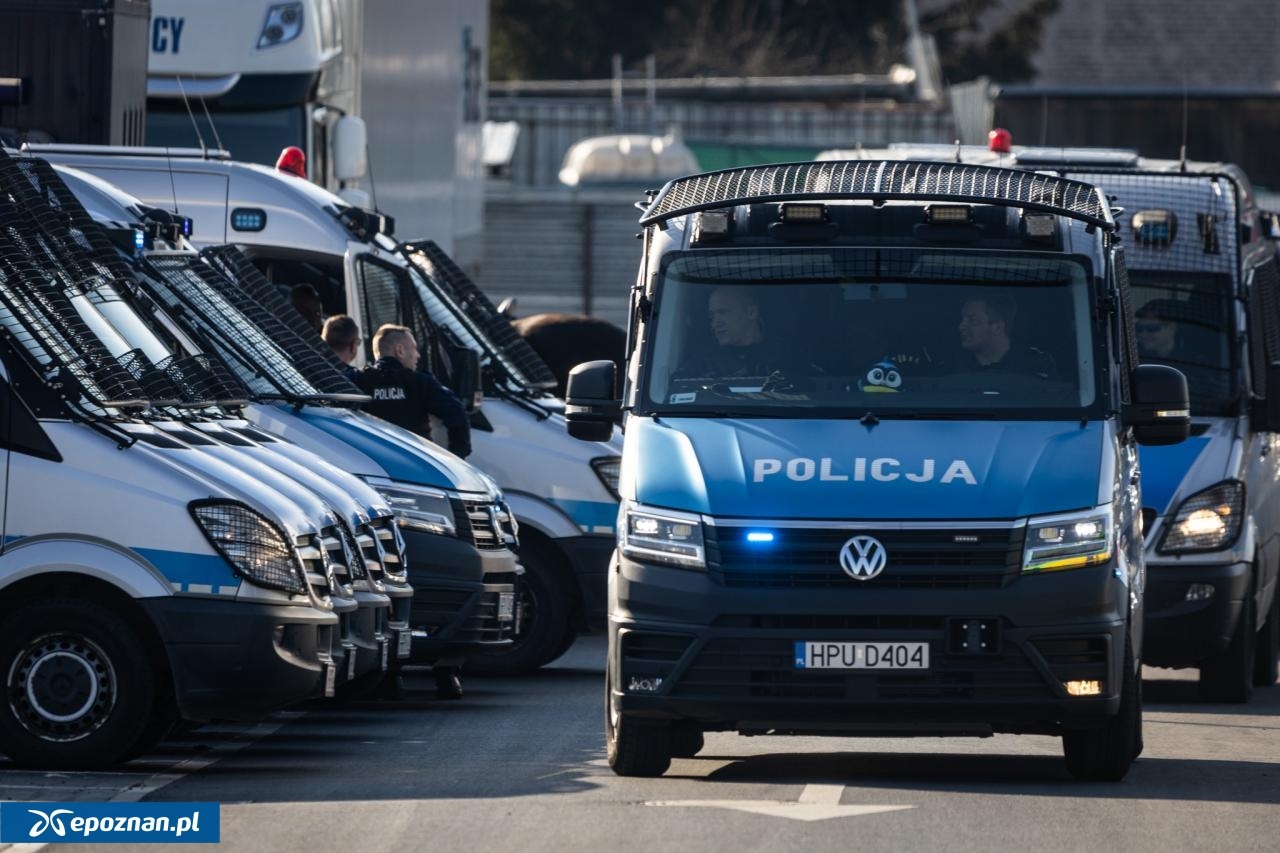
x: 817, y: 802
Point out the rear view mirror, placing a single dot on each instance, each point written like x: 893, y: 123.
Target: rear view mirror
x: 590, y: 405
x: 1161, y: 409
x: 350, y: 149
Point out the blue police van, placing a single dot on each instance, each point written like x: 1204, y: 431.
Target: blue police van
x: 880, y: 469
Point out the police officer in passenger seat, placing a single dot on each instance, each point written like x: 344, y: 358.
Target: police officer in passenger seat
x: 408, y: 397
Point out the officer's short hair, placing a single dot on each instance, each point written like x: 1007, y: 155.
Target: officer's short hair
x: 388, y: 336
x: 340, y: 332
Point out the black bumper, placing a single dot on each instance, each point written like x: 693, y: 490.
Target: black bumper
x: 240, y: 661
x: 454, y: 614
x: 589, y: 556
x: 685, y: 647
x: 1181, y: 633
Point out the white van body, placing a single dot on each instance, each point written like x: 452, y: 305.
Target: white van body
x: 565, y: 509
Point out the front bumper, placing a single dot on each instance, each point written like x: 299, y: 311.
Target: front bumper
x: 683, y: 646
x: 240, y: 661
x: 1181, y: 633
x: 455, y: 614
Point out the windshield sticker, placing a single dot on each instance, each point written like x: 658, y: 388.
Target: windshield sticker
x: 883, y: 470
x: 684, y: 398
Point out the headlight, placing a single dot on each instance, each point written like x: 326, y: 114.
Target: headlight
x: 1207, y: 521
x: 1067, y: 542
x: 662, y: 536
x: 419, y: 508
x: 283, y: 24
x: 608, y: 468
x: 251, y: 543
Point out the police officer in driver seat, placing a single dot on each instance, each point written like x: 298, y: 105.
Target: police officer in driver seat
x: 408, y: 397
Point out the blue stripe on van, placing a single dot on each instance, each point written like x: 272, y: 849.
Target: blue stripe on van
x: 197, y: 573
x: 1163, y: 469
x: 590, y: 516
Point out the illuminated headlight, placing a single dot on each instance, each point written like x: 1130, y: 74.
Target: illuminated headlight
x: 1067, y: 542
x: 662, y: 536
x: 416, y: 508
x: 608, y: 469
x: 252, y: 544
x: 283, y: 24
x: 1207, y: 521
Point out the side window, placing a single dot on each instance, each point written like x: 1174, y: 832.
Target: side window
x: 1264, y: 322
x: 380, y: 301
x: 20, y: 432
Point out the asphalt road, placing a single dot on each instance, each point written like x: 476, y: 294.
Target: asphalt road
x: 518, y: 764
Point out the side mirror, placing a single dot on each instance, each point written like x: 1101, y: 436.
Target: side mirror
x: 1161, y: 409
x: 350, y: 149
x: 468, y: 382
x: 1266, y: 410
x: 590, y: 405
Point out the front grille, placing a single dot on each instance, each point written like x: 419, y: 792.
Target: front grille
x: 392, y: 547
x: 738, y: 668
x: 809, y: 558
x: 318, y: 575
x: 831, y: 622
x: 482, y: 520
x: 353, y: 556
x: 336, y: 555
x: 482, y: 625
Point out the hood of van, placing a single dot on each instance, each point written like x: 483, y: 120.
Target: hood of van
x: 842, y: 469
x: 402, y: 455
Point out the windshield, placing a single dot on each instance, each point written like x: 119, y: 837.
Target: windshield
x: 840, y: 332
x: 251, y: 136
x: 1182, y: 320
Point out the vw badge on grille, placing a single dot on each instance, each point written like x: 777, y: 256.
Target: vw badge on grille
x: 862, y: 558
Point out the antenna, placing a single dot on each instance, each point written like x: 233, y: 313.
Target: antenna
x: 958, y: 158
x: 194, y: 126
x: 213, y: 127
x: 373, y: 186
x: 1182, y: 151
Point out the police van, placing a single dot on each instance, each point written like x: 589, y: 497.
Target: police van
x: 458, y: 555
x: 1204, y: 281
x: 140, y: 582
x: 562, y: 493
x: 856, y: 500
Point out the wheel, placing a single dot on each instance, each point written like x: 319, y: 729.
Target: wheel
x: 1266, y: 662
x: 79, y: 687
x: 1104, y: 754
x: 633, y: 747
x: 1228, y: 675
x: 545, y: 631
x: 686, y: 741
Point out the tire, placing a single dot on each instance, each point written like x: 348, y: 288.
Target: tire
x: 686, y: 741
x: 1266, y: 662
x: 545, y: 631
x: 1228, y: 675
x: 1104, y: 754
x: 634, y: 747
x: 79, y: 690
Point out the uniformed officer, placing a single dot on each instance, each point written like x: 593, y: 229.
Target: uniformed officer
x: 406, y: 396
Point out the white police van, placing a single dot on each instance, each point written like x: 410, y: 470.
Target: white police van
x: 855, y: 500
x: 140, y: 581
x: 459, y: 530
x: 563, y: 495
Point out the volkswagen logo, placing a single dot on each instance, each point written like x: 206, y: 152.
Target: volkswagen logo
x: 863, y: 558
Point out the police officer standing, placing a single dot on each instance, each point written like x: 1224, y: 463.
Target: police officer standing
x: 408, y: 397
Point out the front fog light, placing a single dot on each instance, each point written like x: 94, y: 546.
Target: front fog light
x: 1084, y: 688
x: 1199, y: 592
